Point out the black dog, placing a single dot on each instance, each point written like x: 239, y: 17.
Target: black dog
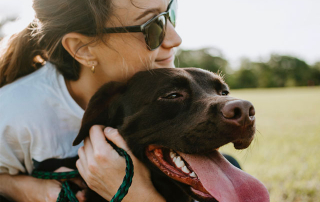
x: 174, y: 121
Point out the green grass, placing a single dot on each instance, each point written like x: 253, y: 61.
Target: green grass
x: 285, y: 152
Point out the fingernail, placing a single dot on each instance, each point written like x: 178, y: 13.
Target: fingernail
x: 108, y: 129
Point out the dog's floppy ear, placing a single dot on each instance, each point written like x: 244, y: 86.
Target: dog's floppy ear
x: 98, y: 110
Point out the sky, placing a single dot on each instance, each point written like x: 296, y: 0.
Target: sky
x: 237, y: 28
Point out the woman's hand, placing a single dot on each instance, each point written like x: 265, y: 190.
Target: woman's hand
x: 52, y: 188
x: 80, y: 195
x: 103, y: 168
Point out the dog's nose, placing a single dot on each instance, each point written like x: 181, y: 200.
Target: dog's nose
x: 239, y: 112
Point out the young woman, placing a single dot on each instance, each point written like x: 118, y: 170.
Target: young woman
x: 48, y: 73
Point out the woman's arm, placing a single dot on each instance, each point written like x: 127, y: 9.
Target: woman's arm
x: 29, y: 189
x: 103, y: 168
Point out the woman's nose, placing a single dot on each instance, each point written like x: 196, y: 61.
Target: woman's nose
x: 172, y: 38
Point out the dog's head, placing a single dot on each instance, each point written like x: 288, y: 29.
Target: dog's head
x: 174, y: 120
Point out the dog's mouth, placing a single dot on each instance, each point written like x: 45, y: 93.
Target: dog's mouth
x: 209, y: 177
x: 174, y: 166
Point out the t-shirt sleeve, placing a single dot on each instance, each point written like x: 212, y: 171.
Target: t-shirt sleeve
x: 11, y: 151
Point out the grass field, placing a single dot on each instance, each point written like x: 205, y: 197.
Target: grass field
x: 285, y: 154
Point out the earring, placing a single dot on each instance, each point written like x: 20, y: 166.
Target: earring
x: 92, y: 64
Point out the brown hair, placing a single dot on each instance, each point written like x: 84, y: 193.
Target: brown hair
x: 41, y: 40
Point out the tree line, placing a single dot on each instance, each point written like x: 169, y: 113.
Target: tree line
x: 278, y: 71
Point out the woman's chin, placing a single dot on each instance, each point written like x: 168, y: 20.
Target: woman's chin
x: 164, y: 64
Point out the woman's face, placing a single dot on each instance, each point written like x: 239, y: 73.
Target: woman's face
x: 124, y: 54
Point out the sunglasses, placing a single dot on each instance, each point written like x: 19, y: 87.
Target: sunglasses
x: 154, y: 30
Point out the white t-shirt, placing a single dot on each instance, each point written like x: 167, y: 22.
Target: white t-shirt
x: 38, y: 120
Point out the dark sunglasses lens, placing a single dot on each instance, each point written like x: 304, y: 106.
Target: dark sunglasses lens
x: 155, y: 32
x: 172, y: 12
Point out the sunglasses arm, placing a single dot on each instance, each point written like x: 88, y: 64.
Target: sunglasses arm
x: 136, y: 28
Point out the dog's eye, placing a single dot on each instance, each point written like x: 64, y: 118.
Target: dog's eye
x: 172, y: 96
x: 225, y: 93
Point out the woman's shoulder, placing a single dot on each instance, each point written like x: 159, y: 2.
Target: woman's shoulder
x: 31, y: 92
x: 41, y: 96
x: 46, y: 76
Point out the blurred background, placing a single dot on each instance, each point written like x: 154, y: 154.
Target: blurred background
x: 269, y: 54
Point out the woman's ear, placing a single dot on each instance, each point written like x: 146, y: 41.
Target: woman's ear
x: 78, y: 47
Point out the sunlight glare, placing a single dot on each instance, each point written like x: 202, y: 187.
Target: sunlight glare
x: 24, y: 18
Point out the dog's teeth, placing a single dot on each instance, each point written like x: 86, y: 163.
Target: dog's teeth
x: 193, y: 174
x: 172, y: 154
x: 179, y: 163
x: 185, y: 169
x: 174, y: 159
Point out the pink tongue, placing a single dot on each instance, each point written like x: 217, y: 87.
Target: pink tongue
x: 225, y: 182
